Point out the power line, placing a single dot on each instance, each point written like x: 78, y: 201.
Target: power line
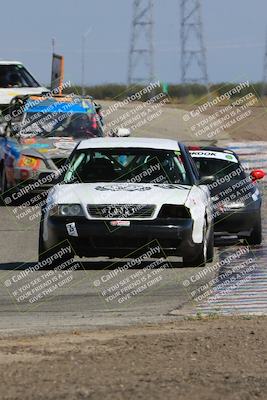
x: 141, y: 54
x: 83, y: 65
x: 193, y: 51
x: 264, y: 80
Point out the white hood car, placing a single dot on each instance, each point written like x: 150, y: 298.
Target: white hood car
x: 120, y: 194
x: 15, y: 80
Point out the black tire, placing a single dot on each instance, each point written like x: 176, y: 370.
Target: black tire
x: 200, y: 258
x: 3, y: 186
x: 256, y: 234
x: 3, y: 179
x: 5, y: 191
x: 41, y: 248
x: 210, y: 248
x: 44, y: 254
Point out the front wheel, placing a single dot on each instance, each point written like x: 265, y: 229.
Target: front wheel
x: 61, y: 255
x: 210, y: 249
x: 256, y: 234
x: 3, y: 180
x: 3, y: 185
x: 205, y: 252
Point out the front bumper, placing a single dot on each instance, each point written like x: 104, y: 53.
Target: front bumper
x: 98, y: 237
x: 239, y: 223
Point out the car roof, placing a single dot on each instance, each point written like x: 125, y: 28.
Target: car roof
x: 129, y: 142
x: 6, y: 62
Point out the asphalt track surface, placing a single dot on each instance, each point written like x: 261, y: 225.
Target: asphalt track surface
x: 80, y: 302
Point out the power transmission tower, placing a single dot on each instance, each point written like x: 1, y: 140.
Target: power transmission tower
x: 141, y: 54
x: 193, y: 54
x: 264, y: 81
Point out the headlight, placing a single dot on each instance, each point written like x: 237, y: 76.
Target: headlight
x: 172, y: 211
x: 66, y: 210
x: 233, y: 206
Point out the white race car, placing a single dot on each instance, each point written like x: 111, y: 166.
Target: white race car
x: 15, y: 80
x: 120, y: 194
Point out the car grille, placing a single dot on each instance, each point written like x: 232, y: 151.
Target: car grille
x: 121, y: 211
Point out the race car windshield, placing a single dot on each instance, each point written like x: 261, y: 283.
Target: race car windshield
x: 127, y: 165
x: 57, y: 124
x: 16, y: 76
x: 214, y: 169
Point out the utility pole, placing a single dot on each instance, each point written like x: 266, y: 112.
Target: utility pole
x: 193, y: 51
x: 53, y: 45
x: 141, y: 54
x: 83, y: 64
x: 264, y: 81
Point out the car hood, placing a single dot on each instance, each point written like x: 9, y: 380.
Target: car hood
x: 48, y: 147
x: 234, y: 191
x: 120, y: 193
x: 7, y: 94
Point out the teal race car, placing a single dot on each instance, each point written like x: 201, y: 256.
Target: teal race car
x: 34, y: 147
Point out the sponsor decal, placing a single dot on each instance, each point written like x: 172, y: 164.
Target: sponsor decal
x: 120, y: 223
x: 65, y: 145
x: 171, y: 186
x: 213, y: 154
x: 45, y: 150
x: 127, y: 188
x: 38, y: 146
x: 63, y: 139
x: 28, y: 140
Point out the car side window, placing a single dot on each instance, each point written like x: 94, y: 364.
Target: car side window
x: 192, y: 164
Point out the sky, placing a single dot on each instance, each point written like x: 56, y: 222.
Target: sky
x: 234, y: 33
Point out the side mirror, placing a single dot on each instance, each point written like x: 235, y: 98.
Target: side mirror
x: 98, y: 107
x: 206, y: 180
x: 257, y: 174
x: 120, y: 132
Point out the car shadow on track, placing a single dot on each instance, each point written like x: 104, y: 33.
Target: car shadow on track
x: 231, y: 241
x: 90, y: 265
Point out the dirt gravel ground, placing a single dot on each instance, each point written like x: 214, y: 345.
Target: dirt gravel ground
x: 253, y: 128
x: 170, y: 124
x: 194, y: 359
